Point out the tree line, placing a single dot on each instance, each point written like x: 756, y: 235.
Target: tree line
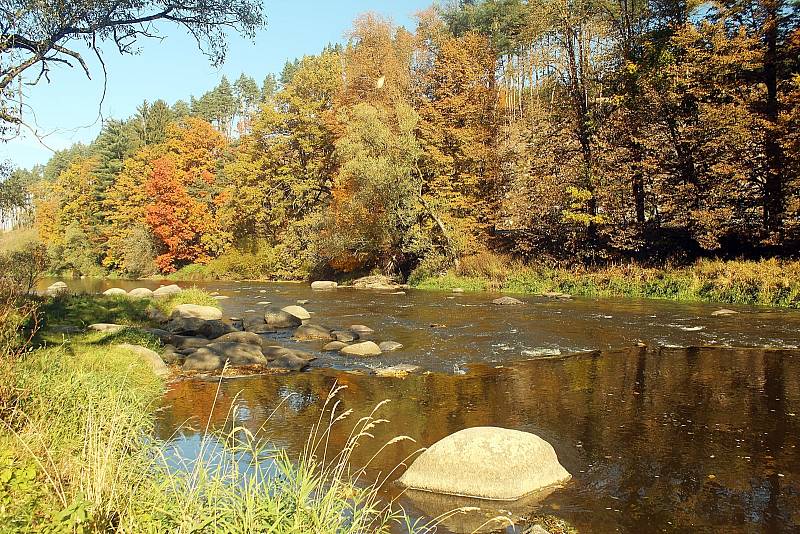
x: 588, y: 131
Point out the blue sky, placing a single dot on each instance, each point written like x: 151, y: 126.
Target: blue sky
x: 67, y: 109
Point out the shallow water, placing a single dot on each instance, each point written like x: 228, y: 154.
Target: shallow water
x: 658, y: 438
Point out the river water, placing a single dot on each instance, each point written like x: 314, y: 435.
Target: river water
x: 669, y: 419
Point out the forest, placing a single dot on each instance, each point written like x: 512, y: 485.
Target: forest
x: 591, y: 132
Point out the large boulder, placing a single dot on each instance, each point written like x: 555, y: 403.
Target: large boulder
x: 324, y: 284
x: 209, y: 313
x: 214, y: 356
x: 365, y: 348
x: 281, y: 319
x: 165, y: 291
x: 140, y: 293
x: 361, y: 330
x: 114, y: 291
x: 334, y: 346
x: 507, y: 301
x: 155, y: 314
x: 58, y: 288
x: 486, y: 463
x: 107, y: 328
x: 310, y: 332
x: 378, y: 281
x: 150, y: 357
x: 298, y: 311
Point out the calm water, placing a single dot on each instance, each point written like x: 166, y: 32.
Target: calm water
x: 661, y: 438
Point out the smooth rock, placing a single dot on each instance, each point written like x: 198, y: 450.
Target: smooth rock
x: 140, y: 293
x: 283, y: 358
x: 241, y: 337
x: 365, y: 348
x: 344, y: 335
x: 215, y: 355
x: 108, y: 328
x: 209, y: 313
x: 361, y: 329
x: 148, y: 356
x: 389, y: 346
x: 507, y: 301
x: 724, y: 312
x: 114, y: 291
x: 165, y: 291
x: 324, y: 284
x: 310, y: 332
x: 486, y: 463
x: 334, y: 346
x: 302, y: 302
x: 281, y: 319
x: 298, y: 311
x: 221, y: 297
x: 397, y: 371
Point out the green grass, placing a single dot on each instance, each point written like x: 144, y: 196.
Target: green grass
x: 767, y: 282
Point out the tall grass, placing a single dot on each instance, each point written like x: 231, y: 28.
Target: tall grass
x: 767, y: 282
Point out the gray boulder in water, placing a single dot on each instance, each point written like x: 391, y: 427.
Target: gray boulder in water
x: 486, y: 463
x: 214, y: 356
x: 281, y: 319
x: 324, y: 284
x: 365, y: 348
x: 389, y: 346
x: 298, y: 311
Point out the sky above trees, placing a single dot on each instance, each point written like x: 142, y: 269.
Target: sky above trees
x: 66, y: 110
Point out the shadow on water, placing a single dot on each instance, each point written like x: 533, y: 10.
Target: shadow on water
x: 671, y: 440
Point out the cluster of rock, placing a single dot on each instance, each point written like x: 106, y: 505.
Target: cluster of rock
x: 143, y: 292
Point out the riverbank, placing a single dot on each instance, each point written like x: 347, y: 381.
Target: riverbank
x: 77, y: 452
x: 766, y: 283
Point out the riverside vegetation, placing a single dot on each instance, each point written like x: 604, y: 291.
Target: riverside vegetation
x: 76, y: 453
x: 490, y: 130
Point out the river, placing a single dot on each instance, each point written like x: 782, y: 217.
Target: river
x: 669, y: 418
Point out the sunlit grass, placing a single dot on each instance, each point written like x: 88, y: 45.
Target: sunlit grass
x: 768, y: 282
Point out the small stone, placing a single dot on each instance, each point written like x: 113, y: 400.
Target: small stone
x: 334, y: 346
x: 365, y: 348
x: 324, y: 284
x: 302, y: 302
x: 345, y: 335
x: 298, y: 311
x: 389, y: 346
x: 507, y: 301
x: 361, y: 329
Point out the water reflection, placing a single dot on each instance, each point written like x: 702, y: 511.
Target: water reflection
x: 672, y: 440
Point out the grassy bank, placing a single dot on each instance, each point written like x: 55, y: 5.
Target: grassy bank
x: 77, y: 453
x: 768, y: 282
